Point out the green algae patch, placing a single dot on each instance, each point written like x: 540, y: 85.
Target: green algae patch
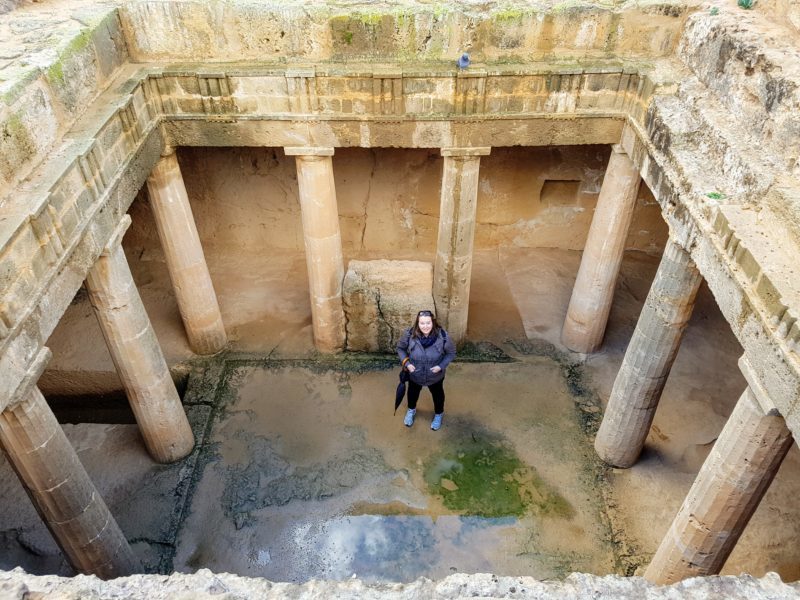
x: 55, y: 73
x: 487, y: 479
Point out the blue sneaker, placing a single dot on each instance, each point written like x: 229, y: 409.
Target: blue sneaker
x: 437, y: 422
x: 409, y: 420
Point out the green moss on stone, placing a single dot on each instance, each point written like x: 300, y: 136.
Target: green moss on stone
x: 486, y: 478
x: 55, y: 73
x: 371, y: 19
x: 18, y: 143
x: 403, y: 20
x: 13, y: 127
x: 509, y: 14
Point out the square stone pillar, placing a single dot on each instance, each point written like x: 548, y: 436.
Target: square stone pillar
x: 323, y: 244
x: 58, y: 485
x: 727, y: 491
x: 648, y: 359
x: 188, y: 271
x: 593, y: 293
x: 452, y: 270
x: 137, y: 355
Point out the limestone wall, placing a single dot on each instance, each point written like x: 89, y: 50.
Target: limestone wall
x: 245, y: 199
x: 404, y: 30
x: 50, y: 71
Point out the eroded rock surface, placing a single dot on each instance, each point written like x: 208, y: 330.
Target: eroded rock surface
x: 382, y: 298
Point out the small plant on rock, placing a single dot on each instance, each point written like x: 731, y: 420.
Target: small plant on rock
x: 746, y: 4
x: 714, y: 11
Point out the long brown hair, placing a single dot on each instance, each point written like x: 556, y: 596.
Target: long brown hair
x: 416, y: 332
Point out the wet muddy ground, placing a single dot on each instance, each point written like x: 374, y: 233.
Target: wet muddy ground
x: 310, y: 475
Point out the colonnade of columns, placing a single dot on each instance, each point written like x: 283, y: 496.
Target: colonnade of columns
x: 31, y: 437
x: 755, y: 439
x: 323, y: 244
x: 726, y: 493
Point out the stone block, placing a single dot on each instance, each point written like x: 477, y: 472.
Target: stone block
x: 381, y: 299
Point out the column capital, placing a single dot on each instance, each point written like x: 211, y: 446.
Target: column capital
x: 308, y: 150
x: 167, y: 150
x: 757, y: 389
x: 466, y: 151
x: 115, y: 241
x: 31, y: 376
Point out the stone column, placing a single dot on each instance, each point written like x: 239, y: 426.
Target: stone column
x: 137, y: 355
x: 59, y: 486
x: 593, y: 293
x: 726, y: 493
x: 452, y: 270
x: 648, y: 359
x: 323, y: 244
x: 194, y: 291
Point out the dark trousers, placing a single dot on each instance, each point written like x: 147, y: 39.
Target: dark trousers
x: 437, y: 391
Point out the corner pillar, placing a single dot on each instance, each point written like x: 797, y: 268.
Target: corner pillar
x: 648, y: 359
x: 137, y: 355
x: 452, y: 269
x: 593, y: 293
x: 188, y: 271
x: 726, y: 493
x: 58, y: 485
x: 323, y: 244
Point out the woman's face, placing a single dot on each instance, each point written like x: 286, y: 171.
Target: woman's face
x: 425, y: 324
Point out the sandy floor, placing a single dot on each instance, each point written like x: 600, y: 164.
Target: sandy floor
x: 261, y: 446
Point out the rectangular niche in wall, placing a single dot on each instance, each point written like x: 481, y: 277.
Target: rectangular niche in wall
x: 559, y: 192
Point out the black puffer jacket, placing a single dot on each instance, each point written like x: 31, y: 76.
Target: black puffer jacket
x: 440, y: 353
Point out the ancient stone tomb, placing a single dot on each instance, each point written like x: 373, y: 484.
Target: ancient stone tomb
x: 229, y: 185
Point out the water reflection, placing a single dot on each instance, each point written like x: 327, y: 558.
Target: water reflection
x: 391, y: 548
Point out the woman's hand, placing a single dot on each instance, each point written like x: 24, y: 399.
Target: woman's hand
x: 436, y: 369
x: 410, y: 368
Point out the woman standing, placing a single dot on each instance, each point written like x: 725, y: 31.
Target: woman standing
x: 426, y: 350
